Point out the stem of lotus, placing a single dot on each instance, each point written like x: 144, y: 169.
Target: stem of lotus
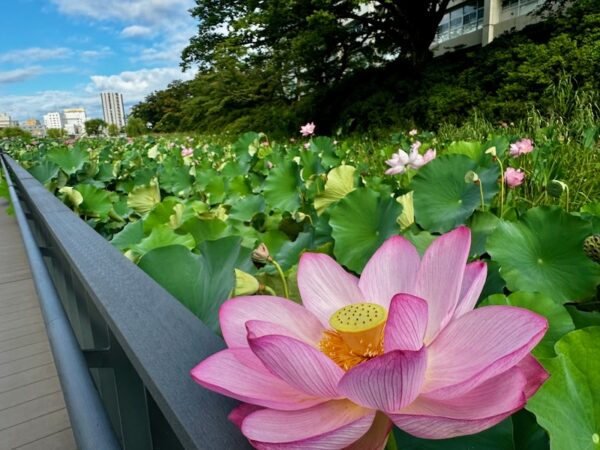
x: 501, y: 187
x: 268, y: 290
x: 567, y: 189
x: 481, y: 196
x: 286, y: 291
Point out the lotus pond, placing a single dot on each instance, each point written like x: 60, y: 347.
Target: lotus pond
x: 210, y: 220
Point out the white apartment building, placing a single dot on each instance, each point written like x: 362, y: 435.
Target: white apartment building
x: 6, y: 121
x: 54, y: 120
x: 477, y: 22
x: 74, y: 120
x: 112, y: 108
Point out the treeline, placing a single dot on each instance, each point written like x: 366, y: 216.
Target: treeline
x: 502, y: 81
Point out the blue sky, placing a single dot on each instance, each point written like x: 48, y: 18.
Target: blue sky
x: 57, y: 54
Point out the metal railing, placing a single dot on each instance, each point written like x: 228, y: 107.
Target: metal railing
x: 123, y: 345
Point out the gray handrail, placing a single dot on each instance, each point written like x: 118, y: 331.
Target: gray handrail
x: 138, y: 341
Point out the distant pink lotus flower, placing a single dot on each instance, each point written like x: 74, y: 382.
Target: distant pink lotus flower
x: 186, y: 151
x: 402, y: 344
x: 306, y: 145
x: 401, y: 160
x: 308, y: 129
x: 412, y: 132
x: 521, y: 147
x: 513, y: 177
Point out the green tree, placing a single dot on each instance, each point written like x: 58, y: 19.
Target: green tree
x: 55, y: 133
x: 135, y: 127
x: 94, y: 127
x: 14, y: 132
x: 160, y: 103
x: 113, y: 130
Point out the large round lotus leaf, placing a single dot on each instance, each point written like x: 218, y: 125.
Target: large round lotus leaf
x: 130, y: 235
x: 45, y: 171
x: 281, y: 187
x: 360, y: 223
x: 442, y: 199
x: 559, y: 320
x: 96, y: 202
x: 69, y: 160
x: 340, y: 182
x: 143, y: 198
x: 245, y: 208
x: 568, y: 403
x: 163, y: 236
x: 544, y: 252
x: 201, y: 282
x: 467, y: 148
x: 175, y: 180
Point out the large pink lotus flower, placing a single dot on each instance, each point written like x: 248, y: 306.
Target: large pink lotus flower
x: 513, y: 177
x: 521, y: 147
x: 308, y: 129
x: 402, y: 344
x: 401, y: 160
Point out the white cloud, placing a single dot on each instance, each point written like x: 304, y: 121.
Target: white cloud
x: 18, y: 75
x: 135, y: 31
x: 160, y: 13
x: 34, y: 54
x: 135, y: 85
x: 22, y: 107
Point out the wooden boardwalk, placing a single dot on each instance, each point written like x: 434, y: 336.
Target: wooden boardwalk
x: 32, y: 409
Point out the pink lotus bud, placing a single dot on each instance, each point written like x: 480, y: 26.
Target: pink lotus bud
x: 308, y: 129
x: 513, y: 177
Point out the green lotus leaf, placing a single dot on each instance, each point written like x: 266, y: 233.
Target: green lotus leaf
x: 407, y: 217
x: 175, y: 180
x: 96, y: 202
x: 131, y: 234
x: 45, y: 171
x: 360, y: 223
x: 105, y: 172
x: 420, y: 239
x: 163, y: 236
x: 482, y: 224
x: 201, y: 282
x: 143, y: 198
x: 311, y: 163
x: 326, y: 149
x: 245, y: 208
x: 543, y: 252
x: 568, y: 403
x: 340, y: 182
x: 559, y: 320
x: 215, y: 190
x: 472, y: 150
x: 71, y: 196
x: 69, y: 160
x: 204, y: 229
x: 442, y: 199
x: 281, y: 187
x: 583, y: 319
x: 160, y: 214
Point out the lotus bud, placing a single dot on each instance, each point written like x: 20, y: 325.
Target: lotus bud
x: 471, y: 177
x: 261, y: 254
x: 556, y: 188
x: 245, y: 284
x: 492, y: 151
x: 591, y: 247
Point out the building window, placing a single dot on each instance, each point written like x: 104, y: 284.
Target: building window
x: 520, y: 7
x: 461, y: 20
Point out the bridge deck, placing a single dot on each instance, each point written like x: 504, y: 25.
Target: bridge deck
x: 32, y: 408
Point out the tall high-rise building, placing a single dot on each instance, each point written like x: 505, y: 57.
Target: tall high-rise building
x: 112, y: 108
x: 54, y: 120
x: 74, y: 120
x: 6, y: 121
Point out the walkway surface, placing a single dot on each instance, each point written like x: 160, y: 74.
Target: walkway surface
x: 32, y: 409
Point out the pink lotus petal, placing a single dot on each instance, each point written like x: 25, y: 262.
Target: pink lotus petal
x: 391, y: 270
x: 535, y: 373
x: 406, y: 324
x: 329, y: 426
x: 325, y: 286
x: 474, y: 411
x: 388, y: 382
x: 472, y: 285
x: 238, y: 373
x: 300, y: 365
x: 238, y: 415
x: 235, y: 312
x: 440, y: 277
x: 376, y: 437
x: 480, y: 345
